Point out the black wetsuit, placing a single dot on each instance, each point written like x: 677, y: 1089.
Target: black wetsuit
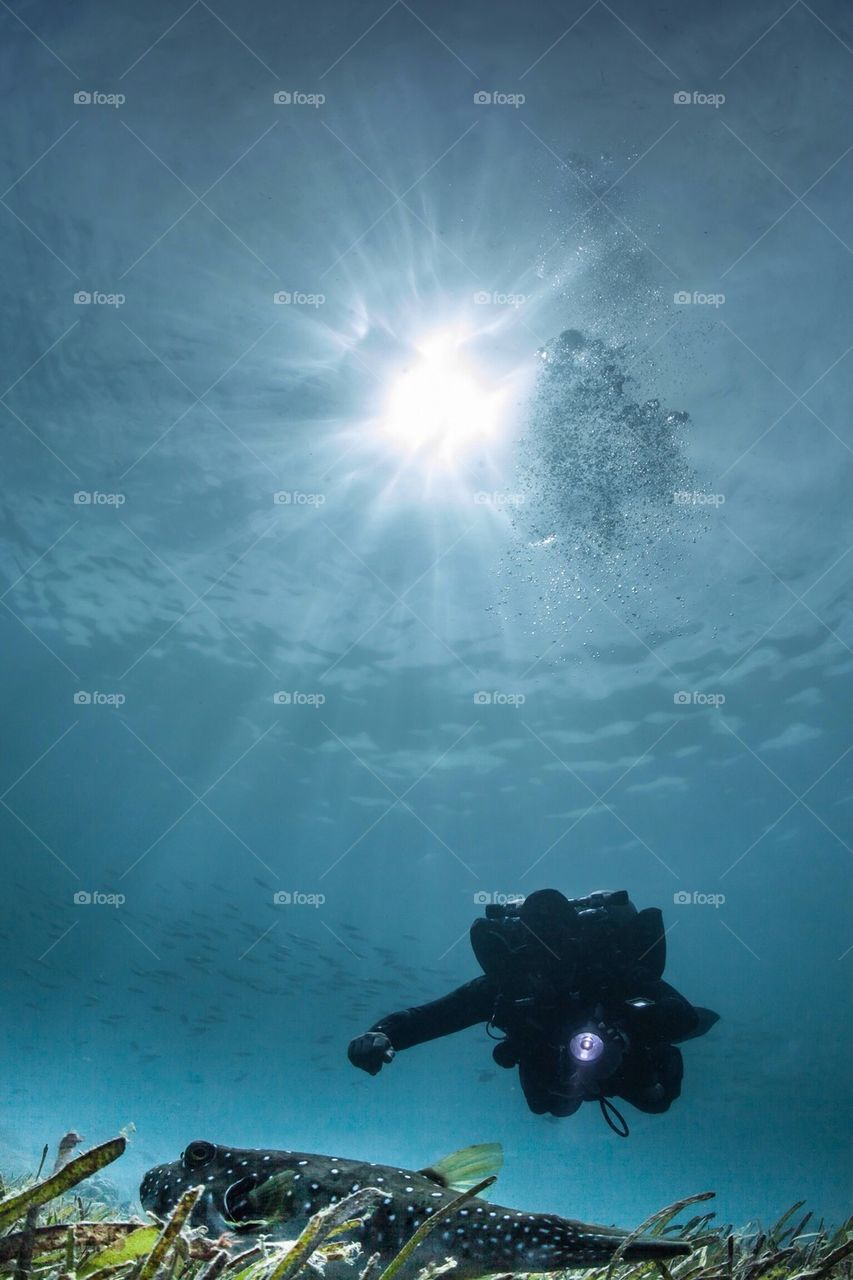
x: 553, y: 968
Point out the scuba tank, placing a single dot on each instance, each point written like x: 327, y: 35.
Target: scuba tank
x: 594, y: 941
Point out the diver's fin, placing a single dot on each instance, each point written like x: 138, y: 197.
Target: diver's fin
x: 466, y: 1167
x: 705, y: 1021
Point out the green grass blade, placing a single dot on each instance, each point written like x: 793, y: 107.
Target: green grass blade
x: 170, y: 1232
x: 14, y: 1207
x: 135, y: 1245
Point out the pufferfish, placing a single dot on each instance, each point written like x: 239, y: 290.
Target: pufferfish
x: 274, y: 1193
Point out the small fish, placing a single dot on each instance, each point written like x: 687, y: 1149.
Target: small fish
x: 65, y: 1150
x: 274, y: 1193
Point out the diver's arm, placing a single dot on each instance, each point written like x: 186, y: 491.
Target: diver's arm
x: 467, y: 1005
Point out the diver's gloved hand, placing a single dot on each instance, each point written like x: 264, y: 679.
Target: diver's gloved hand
x: 370, y: 1052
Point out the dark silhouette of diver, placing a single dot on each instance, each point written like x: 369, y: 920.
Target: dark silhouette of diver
x: 576, y: 988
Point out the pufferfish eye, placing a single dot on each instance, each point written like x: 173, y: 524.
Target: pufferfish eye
x: 197, y: 1154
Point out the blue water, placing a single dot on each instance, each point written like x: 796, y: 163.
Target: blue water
x: 655, y: 598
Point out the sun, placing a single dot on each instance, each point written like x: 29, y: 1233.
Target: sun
x: 439, y: 406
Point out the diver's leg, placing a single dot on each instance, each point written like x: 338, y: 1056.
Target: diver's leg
x: 653, y: 1082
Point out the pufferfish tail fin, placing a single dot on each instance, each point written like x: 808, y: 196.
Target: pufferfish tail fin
x: 463, y: 1169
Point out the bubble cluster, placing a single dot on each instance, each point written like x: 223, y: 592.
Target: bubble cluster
x: 602, y: 471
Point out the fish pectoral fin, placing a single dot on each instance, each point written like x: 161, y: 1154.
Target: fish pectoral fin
x: 273, y: 1196
x: 463, y: 1169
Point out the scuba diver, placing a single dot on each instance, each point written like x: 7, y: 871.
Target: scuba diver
x: 576, y: 989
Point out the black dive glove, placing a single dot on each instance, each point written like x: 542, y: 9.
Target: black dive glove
x: 370, y: 1052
